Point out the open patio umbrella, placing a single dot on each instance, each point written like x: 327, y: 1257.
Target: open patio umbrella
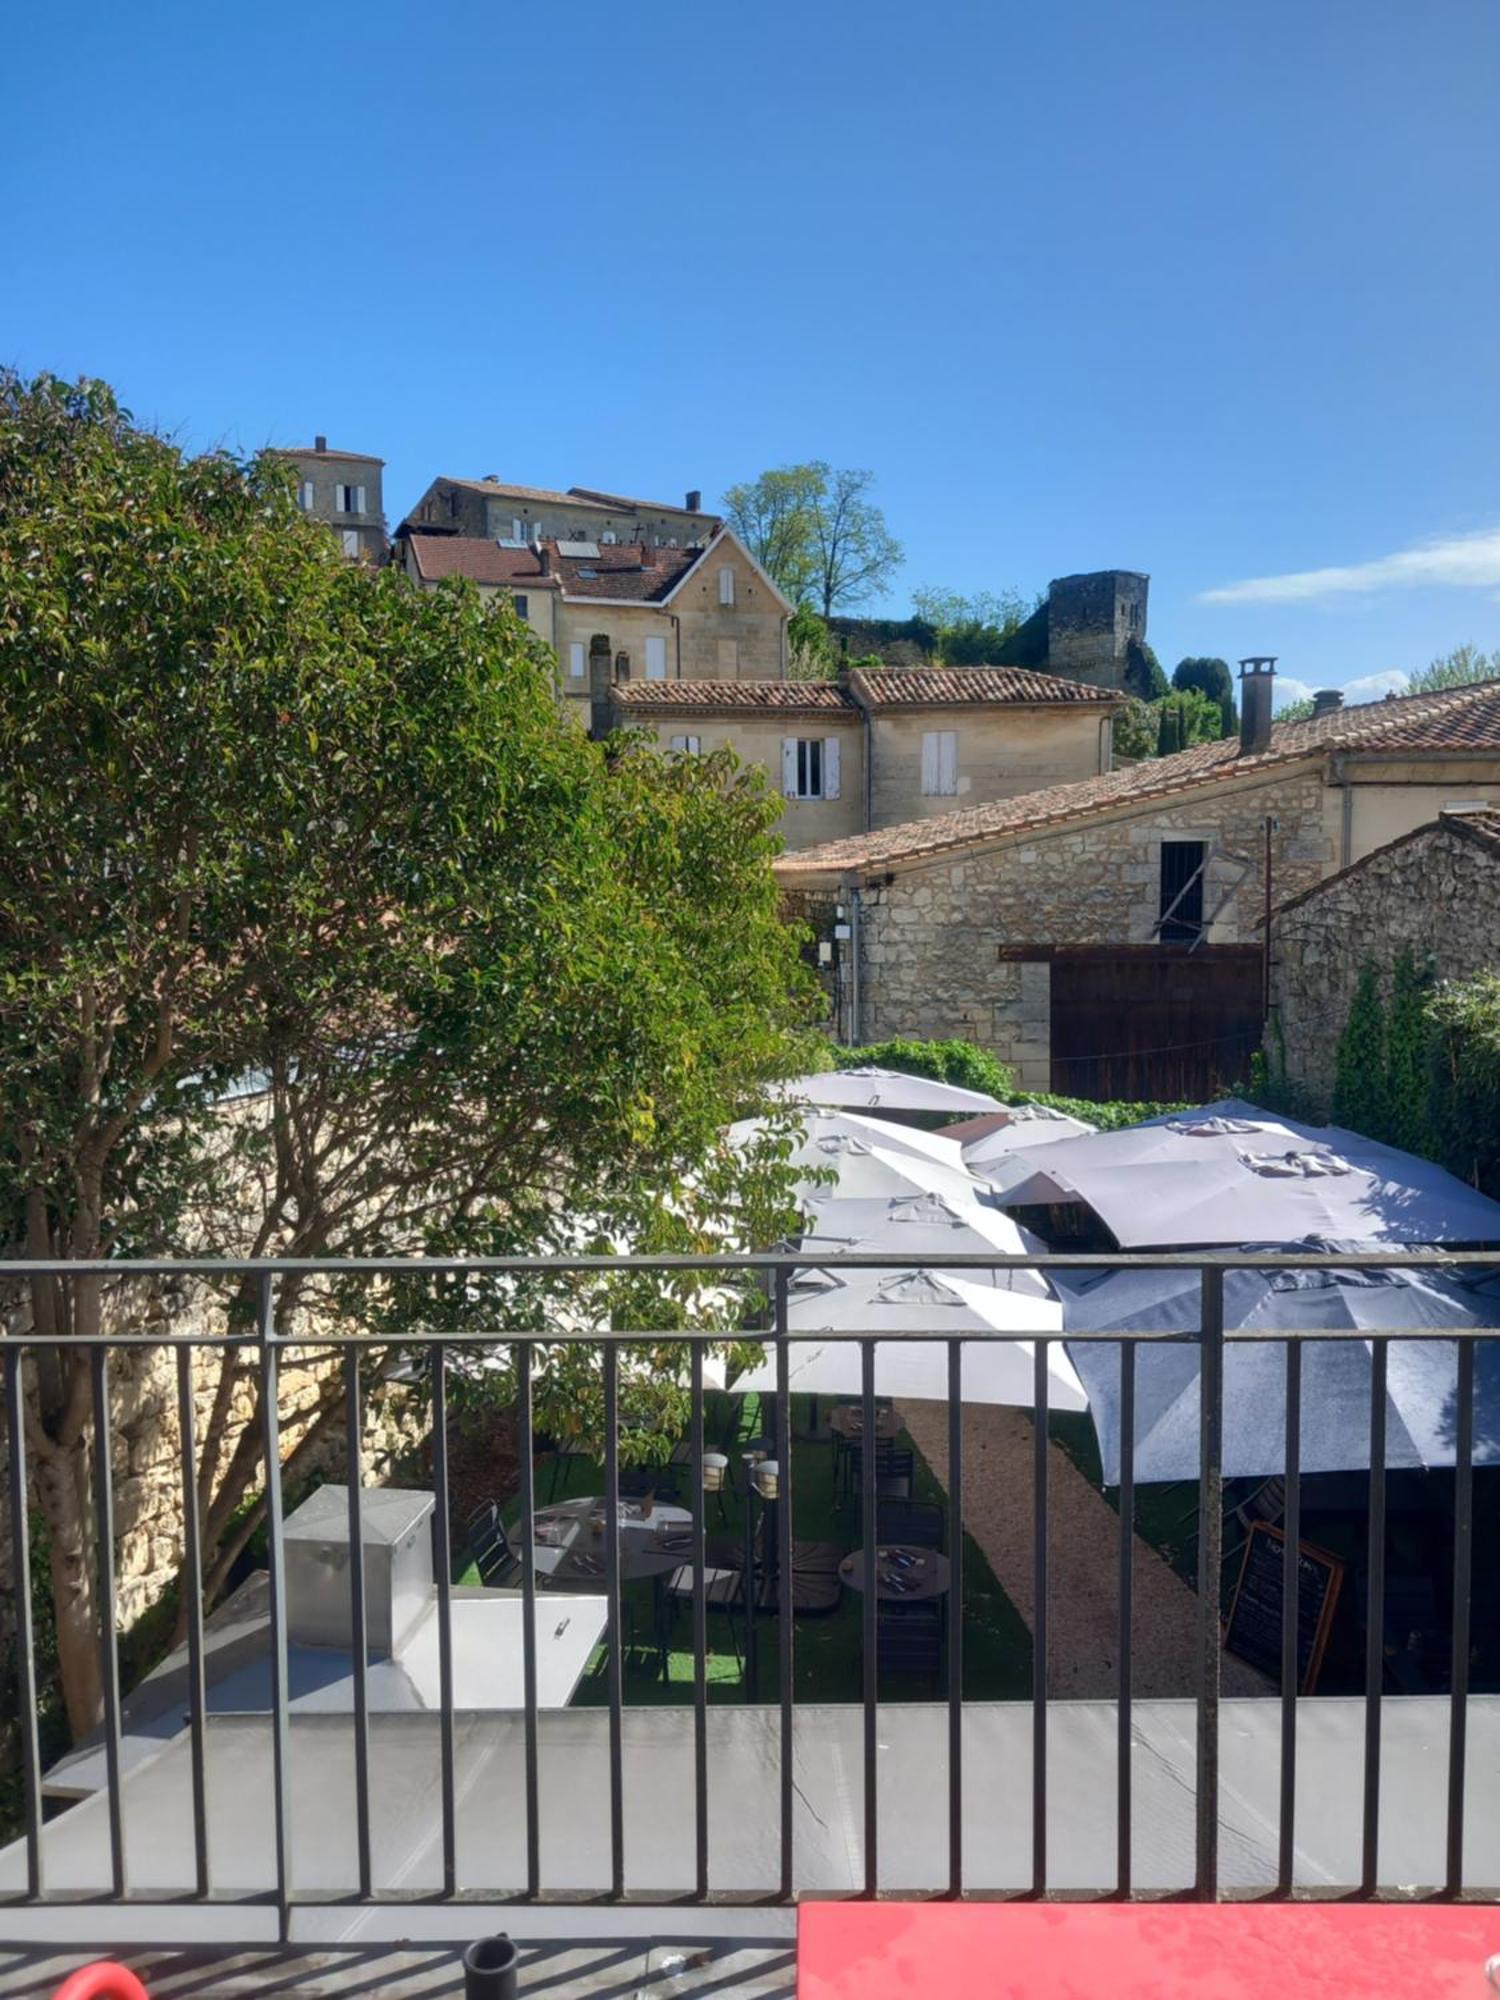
x: 1335, y: 1427
x: 998, y: 1360
x: 827, y: 1132
x: 920, y: 1227
x: 1201, y: 1179
x: 871, y: 1089
x: 882, y: 1173
x: 1026, y: 1126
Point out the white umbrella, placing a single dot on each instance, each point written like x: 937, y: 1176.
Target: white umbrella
x: 922, y: 1227
x: 880, y: 1173
x: 998, y: 1363
x: 1026, y: 1126
x: 871, y: 1089
x: 1219, y: 1178
x: 826, y: 1133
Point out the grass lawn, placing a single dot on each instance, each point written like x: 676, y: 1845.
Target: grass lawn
x: 827, y: 1650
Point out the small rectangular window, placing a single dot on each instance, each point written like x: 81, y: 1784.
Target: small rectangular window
x: 305, y: 496
x: 351, y: 541
x: 726, y: 585
x: 656, y: 659
x: 575, y: 660
x: 1180, y: 917
x: 940, y: 763
x: 809, y: 767
x: 520, y: 604
x: 690, y: 745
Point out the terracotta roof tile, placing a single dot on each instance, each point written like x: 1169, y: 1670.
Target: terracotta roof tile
x: 735, y: 697
x: 647, y: 506
x: 437, y: 556
x: 1452, y: 721
x: 617, y: 571
x: 954, y: 687
x: 574, y: 497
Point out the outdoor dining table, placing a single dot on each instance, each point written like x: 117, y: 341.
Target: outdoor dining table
x: 902, y: 1575
x: 569, y: 1545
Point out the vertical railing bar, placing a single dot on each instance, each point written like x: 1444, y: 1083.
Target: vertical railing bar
x: 109, y: 1653
x: 700, y: 1631
x: 20, y: 1555
x: 612, y: 1591
x: 1463, y: 1559
x: 786, y: 1579
x: 1291, y: 1606
x: 1375, y: 1622
x: 1124, y: 1726
x: 270, y: 1423
x: 527, y: 1464
x: 1039, y: 1469
x: 1210, y: 1559
x: 442, y: 1570
x: 869, y: 1455
x: 359, y: 1635
x: 192, y: 1593
x: 955, y: 1612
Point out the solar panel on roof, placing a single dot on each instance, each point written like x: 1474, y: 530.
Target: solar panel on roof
x: 583, y: 549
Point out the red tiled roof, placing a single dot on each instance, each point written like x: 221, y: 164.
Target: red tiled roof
x: 952, y: 687
x: 574, y: 497
x: 437, y: 556
x: 735, y: 697
x: 1450, y: 722
x: 311, y: 451
x: 617, y: 571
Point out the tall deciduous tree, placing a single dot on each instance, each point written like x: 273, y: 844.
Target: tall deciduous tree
x: 271, y: 817
x: 1460, y: 668
x: 1210, y: 677
x: 817, y: 533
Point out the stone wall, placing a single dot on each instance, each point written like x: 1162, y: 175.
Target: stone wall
x: 1003, y: 749
x: 942, y: 941
x: 1435, y: 893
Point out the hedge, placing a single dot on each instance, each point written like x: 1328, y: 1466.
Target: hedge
x: 973, y: 1068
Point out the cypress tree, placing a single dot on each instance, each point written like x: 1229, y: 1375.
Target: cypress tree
x: 1359, y: 1076
x: 1408, y: 1058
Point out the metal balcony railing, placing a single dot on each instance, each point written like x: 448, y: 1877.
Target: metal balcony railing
x: 774, y: 1274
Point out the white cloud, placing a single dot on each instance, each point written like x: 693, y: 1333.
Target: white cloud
x: 1288, y: 688
x: 1466, y: 562
x: 1372, y: 687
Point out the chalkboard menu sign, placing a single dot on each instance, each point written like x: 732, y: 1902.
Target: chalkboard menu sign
x: 1253, y: 1630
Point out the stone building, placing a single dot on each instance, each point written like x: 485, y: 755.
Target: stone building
x: 1090, y: 627
x: 1434, y: 892
x: 876, y: 749
x: 518, y: 516
x: 1106, y: 936
x: 342, y: 488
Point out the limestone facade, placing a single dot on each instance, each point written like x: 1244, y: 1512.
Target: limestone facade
x: 1434, y: 893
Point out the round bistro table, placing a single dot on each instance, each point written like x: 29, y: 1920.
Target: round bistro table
x: 927, y: 1576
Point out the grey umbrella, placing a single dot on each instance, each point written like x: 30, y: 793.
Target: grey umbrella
x: 1335, y: 1429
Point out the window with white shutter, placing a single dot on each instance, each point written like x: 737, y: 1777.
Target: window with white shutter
x: 808, y: 764
x: 359, y: 499
x: 940, y: 763
x: 789, y: 766
x: 830, y: 767
x: 305, y: 496
x: 656, y: 659
x: 726, y: 585
x: 576, y: 667
x: 351, y: 541
x: 691, y: 745
x: 518, y: 529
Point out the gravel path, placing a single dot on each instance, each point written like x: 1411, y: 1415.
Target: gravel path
x: 1083, y: 1558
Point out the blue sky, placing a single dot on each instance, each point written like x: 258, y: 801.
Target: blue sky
x: 1208, y: 291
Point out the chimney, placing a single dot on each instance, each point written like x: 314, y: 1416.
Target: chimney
x: 1326, y: 700
x: 1257, y: 685
x: 695, y: 502
x: 320, y: 444
x: 648, y: 556
x: 544, y: 558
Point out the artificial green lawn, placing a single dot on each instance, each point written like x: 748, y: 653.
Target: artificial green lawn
x: 827, y: 1651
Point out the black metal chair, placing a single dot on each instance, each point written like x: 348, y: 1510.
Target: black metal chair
x: 895, y: 1466
x: 909, y: 1638
x: 489, y: 1547
x: 912, y: 1524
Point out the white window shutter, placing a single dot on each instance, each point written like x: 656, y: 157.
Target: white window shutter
x: 930, y: 761
x: 679, y: 743
x: 656, y: 659
x: 726, y: 585
x: 516, y: 529
x: 575, y: 659
x: 789, y: 766
x: 695, y: 745
x: 359, y: 499
x: 830, y: 767
x: 948, y: 761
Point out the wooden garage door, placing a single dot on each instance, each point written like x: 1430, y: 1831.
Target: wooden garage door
x: 1154, y: 1022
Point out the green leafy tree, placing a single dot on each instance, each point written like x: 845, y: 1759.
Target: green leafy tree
x: 1359, y: 1080
x: 970, y: 630
x: 811, y: 652
x: 1461, y: 668
x: 1296, y: 711
x: 1463, y: 1018
x: 1210, y: 677
x: 817, y: 532
x: 277, y: 820
x: 774, y: 517
x: 1144, y: 676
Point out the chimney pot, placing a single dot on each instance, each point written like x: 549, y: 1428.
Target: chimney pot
x: 1257, y: 688
x: 694, y: 501
x: 1326, y: 700
x: 320, y: 444
x: 544, y: 558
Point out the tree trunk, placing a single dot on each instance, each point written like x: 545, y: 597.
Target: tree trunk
x: 62, y: 1491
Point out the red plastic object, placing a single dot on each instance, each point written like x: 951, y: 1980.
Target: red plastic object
x: 1155, y: 1951
x: 101, y: 1981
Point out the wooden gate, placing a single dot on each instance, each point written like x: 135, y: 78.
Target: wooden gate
x: 1154, y: 1022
